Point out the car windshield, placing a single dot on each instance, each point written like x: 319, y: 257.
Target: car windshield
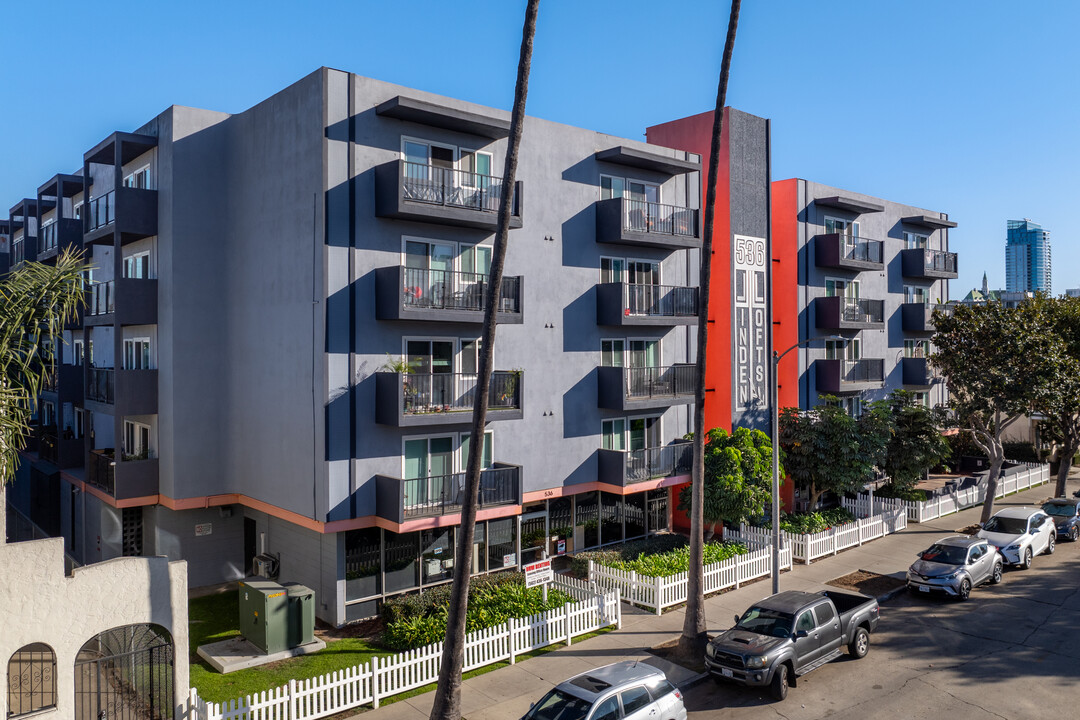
x: 1059, y: 510
x: 947, y: 554
x: 1006, y: 525
x: 558, y: 705
x: 766, y: 622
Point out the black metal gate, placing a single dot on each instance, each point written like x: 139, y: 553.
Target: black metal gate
x: 125, y: 674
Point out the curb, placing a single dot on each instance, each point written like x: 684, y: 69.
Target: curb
x: 885, y: 597
x: 690, y: 682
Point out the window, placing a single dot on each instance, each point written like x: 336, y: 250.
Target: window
x: 611, y: 187
x: 916, y: 241
x: 136, y: 441
x: 644, y: 433
x: 806, y: 622
x: 643, y: 272
x: 486, y: 460
x: 915, y: 294
x: 475, y: 259
x: 634, y: 699
x: 614, y: 434
x: 659, y: 686
x: 916, y: 348
x: 48, y: 414
x: 824, y: 614
x: 31, y: 680
x: 137, y: 354
x: 77, y: 352
x: 80, y: 422
x: 841, y: 288
x: 976, y: 553
x: 137, y: 266
x: 76, y: 210
x: 420, y: 155
x: 139, y: 179
x: 615, y: 187
x: 611, y: 353
x: 475, y: 163
x: 852, y: 405
x: 612, y: 270
x: 922, y: 398
x: 843, y: 349
x: 607, y: 710
x: 847, y: 228
x: 643, y: 353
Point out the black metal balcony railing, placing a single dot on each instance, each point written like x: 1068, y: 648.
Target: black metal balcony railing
x: 457, y: 188
x: 48, y: 237
x: 101, y: 211
x: 649, y: 382
x: 862, y: 371
x: 48, y: 383
x: 101, y: 470
x: 860, y: 249
x: 650, y: 217
x: 102, y: 299
x: 862, y: 310
x: 660, y: 300
x: 456, y: 392
x: 451, y: 290
x: 657, y: 462
x: 48, y: 447
x: 939, y: 261
x: 443, y: 494
x: 101, y: 387
x: 18, y: 253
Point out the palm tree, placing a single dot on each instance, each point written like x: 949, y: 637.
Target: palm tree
x: 448, y: 694
x: 693, y: 639
x: 35, y: 302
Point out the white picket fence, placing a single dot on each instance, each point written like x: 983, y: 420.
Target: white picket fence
x: 372, y: 682
x: 657, y: 593
x: 1031, y: 475
x: 810, y: 546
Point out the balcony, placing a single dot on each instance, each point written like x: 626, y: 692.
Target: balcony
x: 917, y: 317
x: 628, y: 304
x: 646, y: 388
x: 425, y: 193
x: 404, y: 293
x: 123, y: 480
x: 49, y: 382
x: 844, y: 313
x: 647, y: 224
x: 412, y: 399
x: 18, y: 253
x: 399, y: 500
x: 842, y: 252
x: 135, y: 299
x: 71, y: 382
x: 101, y: 385
x: 137, y: 392
x: 924, y: 263
x: 58, y: 235
x: 847, y: 376
x: 131, y: 211
x: 626, y: 467
x: 63, y: 452
x: 916, y: 371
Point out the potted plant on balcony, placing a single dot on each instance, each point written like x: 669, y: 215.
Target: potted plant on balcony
x: 401, y: 366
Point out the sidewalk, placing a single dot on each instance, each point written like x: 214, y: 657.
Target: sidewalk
x: 508, y: 692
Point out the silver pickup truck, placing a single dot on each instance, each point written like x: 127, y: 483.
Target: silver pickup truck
x: 790, y: 634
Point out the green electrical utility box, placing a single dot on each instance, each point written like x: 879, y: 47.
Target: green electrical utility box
x: 264, y: 614
x: 301, y: 614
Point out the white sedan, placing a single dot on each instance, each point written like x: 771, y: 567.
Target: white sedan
x: 1020, y: 533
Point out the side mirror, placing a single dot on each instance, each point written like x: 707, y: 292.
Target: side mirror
x: 736, y: 619
x: 801, y: 634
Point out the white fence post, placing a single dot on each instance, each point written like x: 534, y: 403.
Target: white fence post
x: 292, y: 698
x: 658, y: 583
x: 511, y: 625
x: 569, y: 632
x: 375, y: 682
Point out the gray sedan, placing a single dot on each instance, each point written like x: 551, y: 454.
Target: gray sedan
x: 955, y: 565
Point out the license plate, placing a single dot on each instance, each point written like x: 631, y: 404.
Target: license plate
x: 923, y: 588
x: 726, y: 673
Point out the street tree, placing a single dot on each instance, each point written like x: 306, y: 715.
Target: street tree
x: 447, y: 703
x: 738, y: 477
x: 828, y: 450
x: 694, y: 638
x: 994, y: 359
x: 916, y: 442
x: 35, y: 302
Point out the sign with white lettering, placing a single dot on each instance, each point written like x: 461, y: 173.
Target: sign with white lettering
x: 538, y: 573
x: 751, y: 333
x: 509, y: 559
x: 203, y: 529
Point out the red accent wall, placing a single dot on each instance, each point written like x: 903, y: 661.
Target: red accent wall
x: 785, y: 278
x: 694, y: 134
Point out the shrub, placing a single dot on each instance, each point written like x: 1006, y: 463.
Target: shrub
x: 1022, y: 452
x: 890, y: 491
x: 813, y: 522
x: 654, y: 545
x: 653, y: 560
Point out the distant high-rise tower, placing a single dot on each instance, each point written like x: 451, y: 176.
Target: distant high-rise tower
x: 1027, y: 257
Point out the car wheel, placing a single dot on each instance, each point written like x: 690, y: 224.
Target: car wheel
x: 965, y: 589
x: 1025, y: 564
x: 996, y: 577
x: 1074, y: 533
x: 779, y: 685
x: 860, y: 644
x: 1051, y: 544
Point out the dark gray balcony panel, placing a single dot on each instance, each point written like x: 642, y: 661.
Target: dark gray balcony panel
x: 647, y: 160
x: 135, y: 299
x: 441, y: 116
x: 646, y: 224
x: 415, y: 400
x: 631, y: 305
x: 122, y: 479
x: 916, y: 372
x: 850, y: 204
x: 137, y: 392
x: 623, y: 468
x: 645, y: 388
x: 403, y: 293
x: 58, y: 236
x: 132, y: 211
x: 423, y: 193
x: 922, y: 263
x: 399, y: 500
x: 845, y: 376
x: 917, y: 318
x: 833, y: 250
x: 844, y: 313
x: 929, y: 221
x: 101, y: 388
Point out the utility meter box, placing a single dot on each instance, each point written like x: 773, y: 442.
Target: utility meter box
x: 301, y: 614
x: 264, y: 614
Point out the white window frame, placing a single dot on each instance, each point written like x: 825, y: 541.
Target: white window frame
x: 135, y: 342
x: 603, y: 432
x: 847, y: 282
x: 909, y: 237
x: 626, y: 186
x: 660, y: 424
x: 462, y: 152
x: 77, y: 352
x: 622, y: 342
x: 853, y: 229
x: 430, y: 144
x: 623, y: 274
x: 917, y: 348
x: 76, y: 210
x: 455, y: 368
x: 132, y: 257
x: 841, y: 350
x: 659, y: 349
x: 659, y: 268
x: 910, y: 293
x: 459, y: 461
x: 136, y: 427
x: 131, y: 176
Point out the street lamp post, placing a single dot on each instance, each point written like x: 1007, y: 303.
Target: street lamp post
x: 775, y: 403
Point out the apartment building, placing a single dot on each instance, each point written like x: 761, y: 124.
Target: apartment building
x: 278, y: 349
x: 868, y: 274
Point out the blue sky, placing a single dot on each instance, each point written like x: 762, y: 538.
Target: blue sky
x: 965, y: 107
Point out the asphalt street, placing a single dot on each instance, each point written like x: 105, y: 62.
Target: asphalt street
x: 1011, y: 651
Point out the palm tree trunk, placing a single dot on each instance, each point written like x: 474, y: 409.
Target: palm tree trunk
x: 447, y: 705
x: 692, y: 642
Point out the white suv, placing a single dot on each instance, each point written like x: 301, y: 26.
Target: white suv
x: 1020, y: 533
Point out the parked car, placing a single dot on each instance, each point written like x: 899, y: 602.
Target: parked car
x: 955, y: 565
x: 1019, y: 534
x: 627, y: 690
x: 1066, y: 516
x: 791, y: 634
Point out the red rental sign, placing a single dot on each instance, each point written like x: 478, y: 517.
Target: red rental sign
x: 538, y: 573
